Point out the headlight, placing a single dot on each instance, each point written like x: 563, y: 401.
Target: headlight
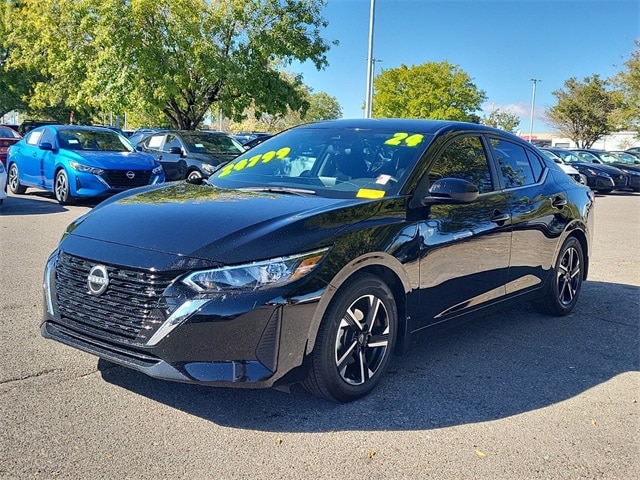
x: 597, y: 173
x: 85, y: 168
x: 207, y: 167
x: 157, y: 170
x: 252, y: 276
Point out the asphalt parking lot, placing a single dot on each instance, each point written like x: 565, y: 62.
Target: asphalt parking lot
x: 513, y: 395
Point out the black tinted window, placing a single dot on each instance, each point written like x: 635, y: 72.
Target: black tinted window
x: 515, y: 166
x: 464, y: 158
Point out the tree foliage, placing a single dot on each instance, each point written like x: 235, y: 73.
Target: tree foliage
x: 585, y: 110
x: 178, y: 57
x: 432, y: 90
x: 13, y: 83
x: 504, y: 120
x: 322, y: 106
x: 628, y: 82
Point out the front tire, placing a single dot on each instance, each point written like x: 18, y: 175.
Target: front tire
x: 355, y: 341
x: 194, y: 176
x: 62, y: 189
x: 568, y: 274
x: 14, y: 180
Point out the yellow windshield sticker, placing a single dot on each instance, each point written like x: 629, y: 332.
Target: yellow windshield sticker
x: 243, y: 163
x: 368, y: 193
x: 400, y: 138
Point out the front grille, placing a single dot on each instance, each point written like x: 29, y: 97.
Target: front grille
x: 620, y: 181
x: 119, y: 179
x: 129, y: 311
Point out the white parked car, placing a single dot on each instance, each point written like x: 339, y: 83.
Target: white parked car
x: 3, y: 182
x: 568, y: 169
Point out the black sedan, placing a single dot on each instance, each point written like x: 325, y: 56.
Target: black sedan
x: 628, y: 167
x: 601, y: 178
x: 190, y: 154
x: 316, y: 255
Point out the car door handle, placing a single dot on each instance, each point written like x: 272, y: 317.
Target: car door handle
x: 499, y: 217
x: 559, y: 201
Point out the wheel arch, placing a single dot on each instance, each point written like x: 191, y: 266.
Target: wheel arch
x: 383, y: 266
x: 56, y: 170
x: 582, y: 238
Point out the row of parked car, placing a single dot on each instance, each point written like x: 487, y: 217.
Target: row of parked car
x: 88, y: 161
x: 602, y: 171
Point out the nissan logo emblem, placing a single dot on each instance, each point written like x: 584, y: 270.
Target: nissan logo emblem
x: 98, y: 280
x: 130, y: 175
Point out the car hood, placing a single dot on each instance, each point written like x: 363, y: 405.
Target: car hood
x: 198, y: 225
x: 114, y: 160
x: 212, y: 158
x: 626, y: 166
x: 598, y: 167
x: 568, y: 169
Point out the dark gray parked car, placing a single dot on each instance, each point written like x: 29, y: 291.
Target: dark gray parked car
x: 190, y: 154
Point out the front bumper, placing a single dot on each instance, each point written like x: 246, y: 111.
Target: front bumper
x: 253, y: 339
x: 84, y: 184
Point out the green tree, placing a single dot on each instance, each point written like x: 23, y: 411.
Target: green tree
x: 321, y: 106
x: 178, y: 57
x: 585, y: 111
x: 13, y: 83
x: 628, y: 82
x: 504, y: 120
x: 432, y: 90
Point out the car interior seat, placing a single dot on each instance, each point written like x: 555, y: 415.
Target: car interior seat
x: 349, y: 167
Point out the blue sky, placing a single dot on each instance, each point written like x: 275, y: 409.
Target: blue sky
x: 501, y: 44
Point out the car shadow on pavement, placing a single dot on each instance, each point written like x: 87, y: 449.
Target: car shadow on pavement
x: 507, y: 363
x: 32, y: 203
x: 39, y: 202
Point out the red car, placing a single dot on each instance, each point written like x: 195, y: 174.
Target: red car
x: 8, y: 136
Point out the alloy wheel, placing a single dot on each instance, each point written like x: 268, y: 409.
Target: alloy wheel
x: 568, y: 276
x: 61, y: 187
x: 362, y: 340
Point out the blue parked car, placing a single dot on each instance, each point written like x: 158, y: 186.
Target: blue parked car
x: 74, y: 161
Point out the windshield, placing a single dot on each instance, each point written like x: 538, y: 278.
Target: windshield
x: 335, y: 162
x: 607, y: 158
x: 212, y: 143
x: 571, y: 157
x: 620, y: 157
x: 96, y: 140
x: 8, y: 133
x: 587, y: 157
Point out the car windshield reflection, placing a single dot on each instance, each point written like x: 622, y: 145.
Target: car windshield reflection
x: 343, y: 163
x: 101, y: 141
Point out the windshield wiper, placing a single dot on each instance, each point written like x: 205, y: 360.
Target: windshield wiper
x: 286, y: 190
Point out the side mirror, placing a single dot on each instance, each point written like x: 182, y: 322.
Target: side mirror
x: 451, y: 190
x: 139, y: 148
x: 45, y: 146
x: 175, y: 150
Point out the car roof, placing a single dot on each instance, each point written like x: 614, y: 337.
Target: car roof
x: 413, y: 125
x: 77, y: 128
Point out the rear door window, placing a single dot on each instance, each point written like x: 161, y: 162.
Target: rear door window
x: 517, y: 167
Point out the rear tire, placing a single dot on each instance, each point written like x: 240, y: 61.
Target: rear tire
x: 568, y: 274
x: 14, y: 180
x: 355, y: 341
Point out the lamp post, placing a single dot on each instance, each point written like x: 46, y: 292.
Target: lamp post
x: 370, y: 64
x: 533, y: 104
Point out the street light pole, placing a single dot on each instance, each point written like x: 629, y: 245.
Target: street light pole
x: 533, y: 104
x: 370, y: 64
